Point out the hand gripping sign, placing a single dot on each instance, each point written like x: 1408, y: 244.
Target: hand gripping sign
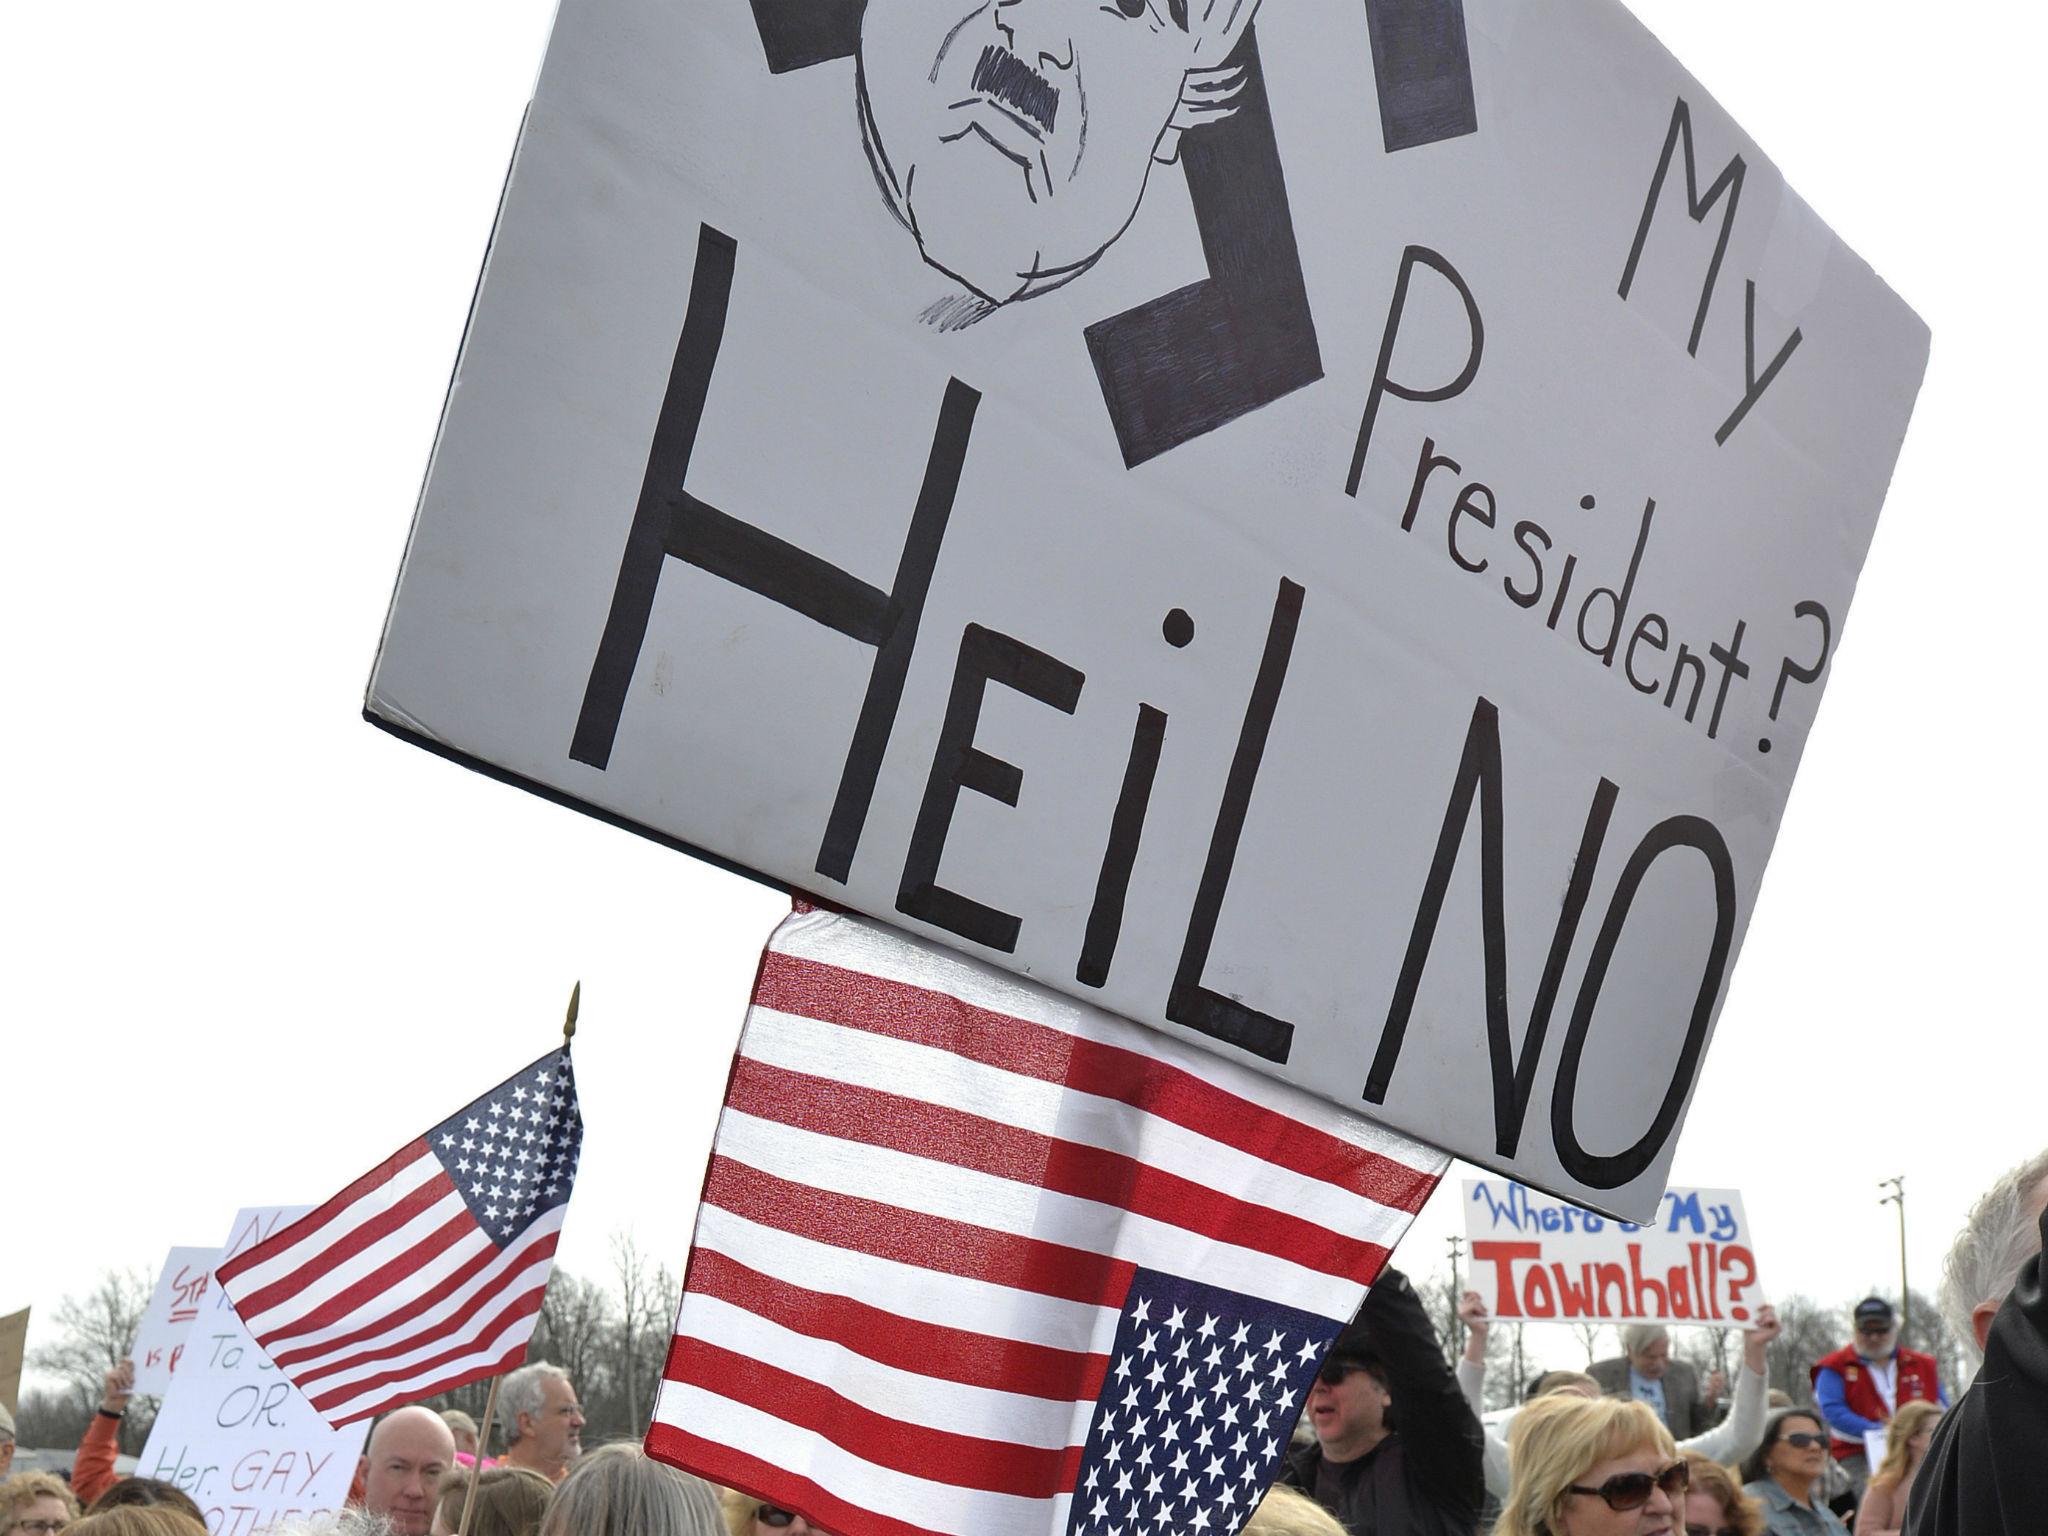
x: 1318, y: 530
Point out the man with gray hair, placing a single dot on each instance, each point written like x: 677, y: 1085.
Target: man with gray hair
x: 1982, y: 1475
x: 1646, y: 1373
x: 543, y: 1420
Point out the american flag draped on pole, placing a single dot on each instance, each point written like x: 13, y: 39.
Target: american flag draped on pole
x: 427, y: 1272
x: 974, y: 1258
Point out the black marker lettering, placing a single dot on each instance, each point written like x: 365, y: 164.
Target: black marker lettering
x: 1611, y: 1172
x: 1190, y: 1002
x: 1479, y: 774
x: 985, y: 657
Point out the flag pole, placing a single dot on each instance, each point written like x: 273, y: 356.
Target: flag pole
x: 483, y: 1437
x: 483, y: 1446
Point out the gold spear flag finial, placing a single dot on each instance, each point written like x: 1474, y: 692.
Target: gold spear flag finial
x: 575, y: 1000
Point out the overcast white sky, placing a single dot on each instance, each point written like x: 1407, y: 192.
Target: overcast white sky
x: 254, y: 944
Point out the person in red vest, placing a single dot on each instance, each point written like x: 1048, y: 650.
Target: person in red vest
x: 1860, y: 1386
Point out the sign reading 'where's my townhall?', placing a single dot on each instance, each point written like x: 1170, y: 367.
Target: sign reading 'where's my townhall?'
x: 1318, y: 527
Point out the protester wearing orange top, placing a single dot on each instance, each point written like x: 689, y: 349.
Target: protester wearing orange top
x: 92, y: 1469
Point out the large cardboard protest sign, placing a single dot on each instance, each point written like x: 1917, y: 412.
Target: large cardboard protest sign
x: 233, y: 1432
x: 182, y: 1287
x: 1541, y: 1260
x: 13, y: 1349
x: 1320, y: 529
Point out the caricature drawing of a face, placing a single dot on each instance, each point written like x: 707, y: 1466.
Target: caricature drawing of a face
x: 1014, y: 137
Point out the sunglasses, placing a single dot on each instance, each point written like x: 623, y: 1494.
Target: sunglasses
x: 1333, y: 1372
x: 1631, y: 1490
x: 1804, y: 1439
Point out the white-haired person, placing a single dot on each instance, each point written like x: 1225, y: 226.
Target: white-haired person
x: 618, y: 1490
x: 543, y: 1421
x: 1646, y: 1372
x: 1982, y: 1475
x: 1592, y: 1467
x: 1729, y: 1441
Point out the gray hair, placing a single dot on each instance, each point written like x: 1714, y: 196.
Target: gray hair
x: 521, y: 1392
x: 1637, y: 1337
x: 1998, y: 1238
x: 350, y: 1520
x: 618, y: 1490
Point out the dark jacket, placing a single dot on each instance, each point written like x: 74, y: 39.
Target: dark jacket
x: 1982, y: 1476
x: 1423, y: 1479
x: 1685, y: 1415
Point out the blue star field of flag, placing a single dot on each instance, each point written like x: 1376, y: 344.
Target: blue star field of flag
x: 513, y: 1152
x: 1203, y: 1389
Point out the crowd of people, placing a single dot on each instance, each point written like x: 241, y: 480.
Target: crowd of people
x: 1391, y: 1440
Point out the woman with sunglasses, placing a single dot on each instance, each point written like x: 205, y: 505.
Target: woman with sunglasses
x: 1602, y: 1467
x: 1785, y: 1472
x: 1715, y: 1505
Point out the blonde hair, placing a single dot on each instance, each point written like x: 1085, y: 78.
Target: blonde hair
x: 139, y: 1520
x: 509, y: 1500
x: 1559, y: 1381
x: 1745, y: 1516
x: 1554, y: 1441
x: 737, y: 1510
x: 1290, y: 1512
x: 24, y: 1488
x: 1898, y: 1449
x: 620, y: 1491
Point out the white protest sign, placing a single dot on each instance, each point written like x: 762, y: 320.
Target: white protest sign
x: 1327, y: 544
x: 1536, y: 1259
x: 181, y: 1288
x: 233, y: 1432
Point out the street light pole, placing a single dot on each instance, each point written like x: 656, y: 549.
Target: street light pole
x: 1897, y: 1196
x: 1457, y: 1247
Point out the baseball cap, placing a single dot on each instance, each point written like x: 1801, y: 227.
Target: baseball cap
x: 1873, y: 1309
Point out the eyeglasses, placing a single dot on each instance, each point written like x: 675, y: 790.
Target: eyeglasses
x: 1806, y: 1440
x: 1631, y: 1490
x: 768, y: 1514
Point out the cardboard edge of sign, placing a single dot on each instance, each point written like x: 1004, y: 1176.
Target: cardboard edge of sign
x: 549, y: 792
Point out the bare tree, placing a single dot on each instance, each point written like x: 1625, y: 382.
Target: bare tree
x: 574, y: 1319
x: 647, y: 1309
x: 1589, y: 1336
x: 94, y: 1333
x: 1811, y: 1330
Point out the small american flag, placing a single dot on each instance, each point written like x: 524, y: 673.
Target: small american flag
x: 974, y: 1258
x: 428, y: 1271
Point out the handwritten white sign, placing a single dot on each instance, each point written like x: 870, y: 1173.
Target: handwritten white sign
x: 1325, y: 541
x: 233, y: 1432
x: 181, y: 1290
x: 1542, y: 1260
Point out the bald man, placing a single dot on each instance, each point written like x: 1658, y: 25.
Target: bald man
x: 409, y: 1450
